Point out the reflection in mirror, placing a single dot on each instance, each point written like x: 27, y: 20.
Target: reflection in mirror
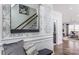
x: 24, y: 19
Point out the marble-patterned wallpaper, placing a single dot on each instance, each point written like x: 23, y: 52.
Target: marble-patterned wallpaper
x: 44, y: 29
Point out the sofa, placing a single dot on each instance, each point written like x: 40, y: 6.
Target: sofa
x: 17, y: 48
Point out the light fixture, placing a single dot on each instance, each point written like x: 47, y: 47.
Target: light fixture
x: 78, y: 15
x: 70, y: 8
x: 12, y: 5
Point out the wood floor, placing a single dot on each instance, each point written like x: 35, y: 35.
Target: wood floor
x: 69, y: 47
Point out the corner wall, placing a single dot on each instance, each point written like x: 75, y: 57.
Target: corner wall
x: 58, y: 18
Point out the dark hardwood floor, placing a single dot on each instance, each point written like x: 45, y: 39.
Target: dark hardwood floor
x: 69, y: 47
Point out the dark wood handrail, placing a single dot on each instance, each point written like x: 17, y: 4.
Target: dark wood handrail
x: 29, y: 21
x: 25, y: 21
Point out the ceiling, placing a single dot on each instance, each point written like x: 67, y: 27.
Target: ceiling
x: 70, y: 12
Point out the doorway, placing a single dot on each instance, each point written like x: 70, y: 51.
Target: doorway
x: 54, y: 33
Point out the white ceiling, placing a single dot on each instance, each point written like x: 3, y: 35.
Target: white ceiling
x: 70, y: 12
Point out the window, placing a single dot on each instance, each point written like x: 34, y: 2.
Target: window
x: 73, y: 27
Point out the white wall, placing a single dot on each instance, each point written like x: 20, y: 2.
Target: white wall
x: 46, y: 29
x: 46, y: 19
x: 0, y: 25
x: 57, y: 16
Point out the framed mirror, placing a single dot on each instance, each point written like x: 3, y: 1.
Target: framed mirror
x: 24, y: 19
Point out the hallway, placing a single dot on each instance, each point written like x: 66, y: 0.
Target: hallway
x: 69, y: 47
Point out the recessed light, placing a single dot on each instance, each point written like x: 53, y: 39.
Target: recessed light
x: 70, y: 8
x: 78, y: 15
x: 12, y: 5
